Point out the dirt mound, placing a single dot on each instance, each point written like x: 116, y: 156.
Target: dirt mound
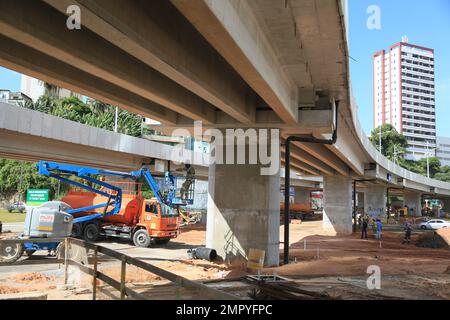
x: 190, y: 269
x: 444, y: 233
x: 32, y: 277
x: 431, y: 240
x: 7, y: 290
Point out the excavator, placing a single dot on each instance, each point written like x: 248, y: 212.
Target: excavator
x: 102, y: 209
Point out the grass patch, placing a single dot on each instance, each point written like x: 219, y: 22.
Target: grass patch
x: 6, y: 217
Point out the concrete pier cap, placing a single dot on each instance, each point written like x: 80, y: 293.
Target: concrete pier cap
x: 244, y: 205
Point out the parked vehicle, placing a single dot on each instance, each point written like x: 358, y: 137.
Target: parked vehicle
x: 297, y: 210
x: 102, y: 209
x: 17, y: 206
x: 434, y: 224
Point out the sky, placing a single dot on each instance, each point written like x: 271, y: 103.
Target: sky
x: 426, y: 23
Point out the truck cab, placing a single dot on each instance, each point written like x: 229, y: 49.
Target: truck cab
x: 161, y: 222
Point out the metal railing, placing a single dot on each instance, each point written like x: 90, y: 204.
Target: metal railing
x: 125, y: 292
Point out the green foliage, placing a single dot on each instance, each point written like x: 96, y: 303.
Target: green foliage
x: 444, y: 174
x: 392, y: 141
x: 94, y: 113
x: 18, y: 176
x: 393, y: 144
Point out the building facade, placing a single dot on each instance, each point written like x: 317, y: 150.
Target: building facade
x: 404, y: 95
x: 16, y: 98
x: 443, y: 150
x: 35, y: 88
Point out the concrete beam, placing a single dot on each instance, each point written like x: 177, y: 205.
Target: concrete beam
x: 31, y: 148
x: 232, y: 29
x: 43, y: 28
x: 300, y: 164
x: 296, y: 169
x: 23, y: 59
x: 149, y: 31
x: 310, y: 121
x: 325, y: 155
x: 305, y: 157
x: 346, y: 148
x: 31, y: 135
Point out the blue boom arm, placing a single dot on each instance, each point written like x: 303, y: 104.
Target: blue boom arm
x: 57, y: 170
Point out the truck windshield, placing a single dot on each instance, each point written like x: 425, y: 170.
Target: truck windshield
x: 151, y: 207
x: 167, y: 211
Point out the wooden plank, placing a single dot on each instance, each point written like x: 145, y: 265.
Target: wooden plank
x: 207, y: 291
x: 108, y: 280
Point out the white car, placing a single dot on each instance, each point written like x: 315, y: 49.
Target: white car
x: 434, y: 224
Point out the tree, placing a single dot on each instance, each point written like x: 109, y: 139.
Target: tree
x: 444, y: 174
x: 393, y: 144
x: 434, y: 165
x: 95, y: 113
x: 19, y: 176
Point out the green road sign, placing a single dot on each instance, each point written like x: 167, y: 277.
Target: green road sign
x: 36, y: 197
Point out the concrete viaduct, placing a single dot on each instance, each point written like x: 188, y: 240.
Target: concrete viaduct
x: 230, y: 64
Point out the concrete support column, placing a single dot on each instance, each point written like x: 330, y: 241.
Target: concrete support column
x: 243, y: 211
x: 414, y: 202
x: 302, y: 195
x: 337, y: 204
x: 375, y: 199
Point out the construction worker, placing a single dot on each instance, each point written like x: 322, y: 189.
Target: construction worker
x: 379, y: 227
x: 365, y: 226
x: 190, y: 176
x: 408, y: 231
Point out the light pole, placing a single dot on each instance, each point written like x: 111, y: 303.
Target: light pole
x: 395, y: 154
x: 379, y: 137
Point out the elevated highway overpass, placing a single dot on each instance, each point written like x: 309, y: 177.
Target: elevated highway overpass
x: 32, y: 136
x: 231, y: 64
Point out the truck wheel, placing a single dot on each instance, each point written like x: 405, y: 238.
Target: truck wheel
x: 91, y: 232
x: 141, y: 238
x: 76, y: 230
x: 11, y: 252
x: 162, y: 241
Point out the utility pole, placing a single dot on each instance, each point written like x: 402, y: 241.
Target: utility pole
x: 395, y: 153
x: 115, y: 119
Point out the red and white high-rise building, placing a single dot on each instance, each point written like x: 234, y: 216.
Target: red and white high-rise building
x: 403, y: 95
